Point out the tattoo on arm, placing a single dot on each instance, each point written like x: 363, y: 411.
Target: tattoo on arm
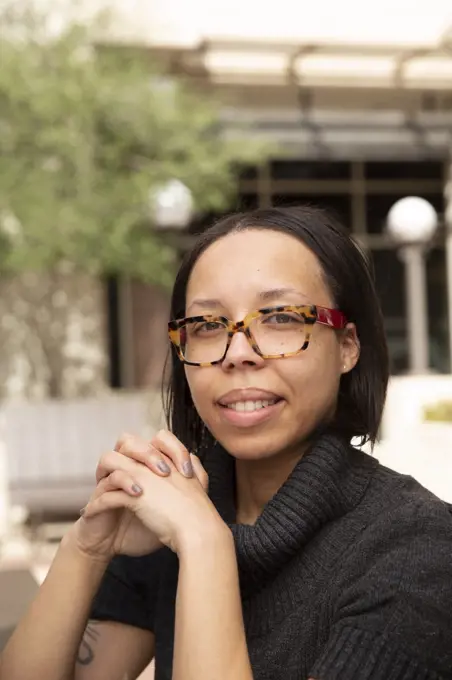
x: 86, y: 652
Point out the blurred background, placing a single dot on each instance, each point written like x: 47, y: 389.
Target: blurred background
x: 126, y: 127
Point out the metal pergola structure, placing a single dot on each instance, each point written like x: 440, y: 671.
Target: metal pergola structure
x: 327, y: 64
x: 417, y: 126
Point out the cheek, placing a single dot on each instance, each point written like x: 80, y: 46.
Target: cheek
x: 314, y: 376
x: 320, y: 361
x: 199, y: 382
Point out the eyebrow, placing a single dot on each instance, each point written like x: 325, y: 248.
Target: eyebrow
x: 264, y: 296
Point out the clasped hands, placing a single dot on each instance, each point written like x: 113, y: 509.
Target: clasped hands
x: 148, y: 495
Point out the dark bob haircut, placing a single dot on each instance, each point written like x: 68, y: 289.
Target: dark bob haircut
x: 349, y: 276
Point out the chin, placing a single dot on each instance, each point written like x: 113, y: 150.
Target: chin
x: 252, y: 447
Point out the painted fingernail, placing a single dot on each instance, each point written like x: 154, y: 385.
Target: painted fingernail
x: 188, y: 468
x: 163, y: 467
x: 137, y: 489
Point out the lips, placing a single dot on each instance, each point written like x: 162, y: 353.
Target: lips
x: 243, y: 413
x: 244, y: 399
x: 248, y: 406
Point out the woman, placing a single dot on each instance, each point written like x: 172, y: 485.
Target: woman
x: 306, y: 558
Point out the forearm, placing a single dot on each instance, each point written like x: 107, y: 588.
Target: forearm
x: 210, y: 638
x: 46, y: 641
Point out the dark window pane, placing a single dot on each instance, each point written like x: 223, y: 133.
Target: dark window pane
x: 288, y: 169
x: 247, y: 172
x: 114, y: 335
x: 405, y: 170
x: 247, y: 202
x: 438, y: 310
x: 390, y: 281
x: 378, y: 206
x: 338, y: 204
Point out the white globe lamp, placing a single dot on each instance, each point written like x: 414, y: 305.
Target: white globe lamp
x: 171, y: 206
x: 412, y: 221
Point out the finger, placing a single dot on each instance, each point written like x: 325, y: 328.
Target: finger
x: 200, y: 472
x: 131, y: 442
x: 140, y: 450
x: 121, y: 441
x: 120, y: 480
x: 110, y: 500
x: 117, y: 480
x: 167, y: 443
x: 111, y: 461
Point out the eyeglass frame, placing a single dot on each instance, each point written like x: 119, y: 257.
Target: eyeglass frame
x: 312, y: 314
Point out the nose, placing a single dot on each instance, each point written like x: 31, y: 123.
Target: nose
x: 241, y: 353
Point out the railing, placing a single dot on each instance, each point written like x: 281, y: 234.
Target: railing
x: 52, y: 447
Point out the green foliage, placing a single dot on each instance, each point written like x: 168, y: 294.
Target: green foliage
x: 85, y: 134
x: 439, y: 413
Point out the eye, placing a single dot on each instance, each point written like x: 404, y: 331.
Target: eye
x: 207, y: 327
x: 283, y: 318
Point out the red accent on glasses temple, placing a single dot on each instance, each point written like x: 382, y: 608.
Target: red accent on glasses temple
x: 331, y: 317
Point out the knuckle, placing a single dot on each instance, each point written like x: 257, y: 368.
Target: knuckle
x: 134, y: 446
x: 125, y: 442
x: 123, y: 437
x: 108, y: 460
x: 116, y: 478
x: 153, y: 455
x: 170, y: 439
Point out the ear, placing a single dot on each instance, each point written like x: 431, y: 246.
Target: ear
x: 350, y: 348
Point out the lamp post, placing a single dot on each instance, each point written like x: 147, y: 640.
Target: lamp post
x: 412, y: 223
x: 171, y: 209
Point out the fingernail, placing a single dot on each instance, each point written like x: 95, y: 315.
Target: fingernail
x: 82, y: 512
x: 188, y: 468
x: 136, y: 489
x: 163, y: 467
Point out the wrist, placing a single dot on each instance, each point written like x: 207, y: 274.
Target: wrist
x: 70, y: 547
x: 213, y: 536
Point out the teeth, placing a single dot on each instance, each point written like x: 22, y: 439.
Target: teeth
x: 247, y: 406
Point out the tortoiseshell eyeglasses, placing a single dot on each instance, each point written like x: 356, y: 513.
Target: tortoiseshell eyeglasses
x: 273, y: 332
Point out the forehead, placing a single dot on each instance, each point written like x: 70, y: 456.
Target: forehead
x: 242, y: 264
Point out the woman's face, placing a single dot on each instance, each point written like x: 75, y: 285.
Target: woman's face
x: 236, y: 275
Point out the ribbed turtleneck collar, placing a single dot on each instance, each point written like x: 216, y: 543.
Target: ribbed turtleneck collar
x: 325, y: 484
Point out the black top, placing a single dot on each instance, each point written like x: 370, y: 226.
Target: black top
x: 346, y: 575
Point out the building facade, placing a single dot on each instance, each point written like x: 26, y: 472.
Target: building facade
x: 358, y: 109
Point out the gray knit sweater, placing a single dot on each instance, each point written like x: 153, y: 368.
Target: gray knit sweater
x: 347, y: 574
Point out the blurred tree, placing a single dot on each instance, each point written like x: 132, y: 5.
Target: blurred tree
x: 86, y: 134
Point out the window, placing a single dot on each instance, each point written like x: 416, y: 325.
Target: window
x: 311, y: 170
x: 247, y: 202
x: 438, y: 310
x: 338, y: 204
x: 390, y: 282
x: 384, y: 170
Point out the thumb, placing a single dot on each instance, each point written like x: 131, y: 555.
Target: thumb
x: 200, y: 473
